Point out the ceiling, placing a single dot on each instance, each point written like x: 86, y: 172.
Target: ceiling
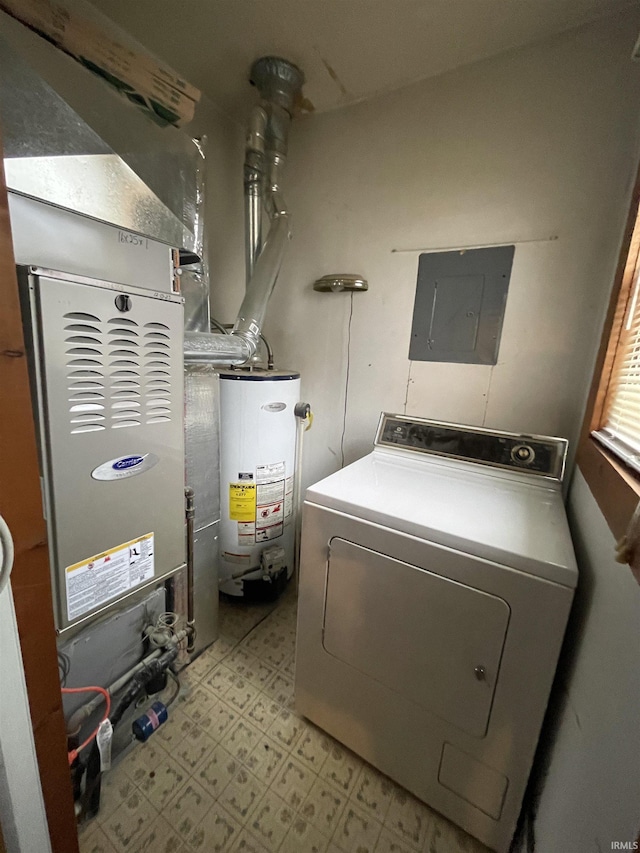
x: 349, y: 49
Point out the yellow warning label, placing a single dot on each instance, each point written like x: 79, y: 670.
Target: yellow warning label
x: 106, y: 576
x: 110, y: 552
x: 242, y: 501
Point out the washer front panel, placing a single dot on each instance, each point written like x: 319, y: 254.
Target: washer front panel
x: 383, y: 722
x: 431, y: 639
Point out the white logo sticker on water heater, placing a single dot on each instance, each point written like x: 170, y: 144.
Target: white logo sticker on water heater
x: 274, y: 407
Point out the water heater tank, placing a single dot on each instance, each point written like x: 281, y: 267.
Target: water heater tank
x: 257, y: 462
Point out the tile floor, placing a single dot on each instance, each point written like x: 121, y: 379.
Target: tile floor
x: 235, y: 770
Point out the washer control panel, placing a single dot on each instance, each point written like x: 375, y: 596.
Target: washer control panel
x: 536, y: 454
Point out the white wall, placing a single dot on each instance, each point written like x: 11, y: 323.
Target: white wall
x: 537, y: 142
x: 591, y: 794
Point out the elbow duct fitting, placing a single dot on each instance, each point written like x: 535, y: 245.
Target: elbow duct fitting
x: 252, y: 312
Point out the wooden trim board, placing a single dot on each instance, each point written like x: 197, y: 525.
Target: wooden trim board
x: 615, y: 487
x: 21, y: 506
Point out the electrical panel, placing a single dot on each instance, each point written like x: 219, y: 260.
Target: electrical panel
x: 459, y: 306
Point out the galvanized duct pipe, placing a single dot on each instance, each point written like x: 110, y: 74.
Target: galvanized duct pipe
x: 205, y: 348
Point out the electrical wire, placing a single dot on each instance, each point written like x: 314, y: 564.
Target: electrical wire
x: 346, y: 381
x: 64, y: 667
x: 214, y: 324
x: 73, y: 754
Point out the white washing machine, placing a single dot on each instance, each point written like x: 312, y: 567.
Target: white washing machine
x: 437, y: 575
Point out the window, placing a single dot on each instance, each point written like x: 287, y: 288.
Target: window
x: 619, y: 417
x: 609, y: 451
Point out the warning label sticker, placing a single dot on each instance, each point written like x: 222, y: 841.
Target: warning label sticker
x: 273, y: 471
x: 108, y: 575
x: 269, y: 510
x: 268, y: 493
x: 246, y: 533
x: 264, y: 534
x: 288, y: 500
x: 270, y: 514
x: 242, y: 501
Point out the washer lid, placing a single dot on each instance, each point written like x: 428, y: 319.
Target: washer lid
x: 493, y: 514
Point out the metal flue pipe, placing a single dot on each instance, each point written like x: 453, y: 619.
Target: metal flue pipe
x: 253, y: 180
x: 280, y: 83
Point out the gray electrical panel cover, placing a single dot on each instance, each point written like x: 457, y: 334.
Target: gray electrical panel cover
x: 459, y: 305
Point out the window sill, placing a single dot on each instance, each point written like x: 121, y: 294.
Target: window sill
x: 615, y: 487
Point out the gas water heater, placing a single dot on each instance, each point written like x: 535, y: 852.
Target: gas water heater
x: 257, y: 467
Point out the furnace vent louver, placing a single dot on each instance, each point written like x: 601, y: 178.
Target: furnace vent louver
x: 118, y: 379
x: 126, y: 383
x: 85, y: 376
x: 158, y: 373
x: 125, y: 368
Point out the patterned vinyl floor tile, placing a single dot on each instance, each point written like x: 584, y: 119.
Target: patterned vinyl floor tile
x: 236, y: 770
x: 217, y: 770
x: 242, y: 795
x: 95, y: 841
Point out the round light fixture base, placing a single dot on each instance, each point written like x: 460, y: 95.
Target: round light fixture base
x: 338, y: 282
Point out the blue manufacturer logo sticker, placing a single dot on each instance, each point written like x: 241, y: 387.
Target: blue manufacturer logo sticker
x: 127, y: 462
x: 125, y: 466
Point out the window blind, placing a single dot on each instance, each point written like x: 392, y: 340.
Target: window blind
x: 620, y: 427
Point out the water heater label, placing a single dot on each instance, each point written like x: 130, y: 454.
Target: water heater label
x: 288, y: 500
x: 265, y: 534
x: 246, y: 534
x: 242, y: 501
x: 270, y: 493
x: 106, y: 576
x: 270, y: 499
x: 273, y: 471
